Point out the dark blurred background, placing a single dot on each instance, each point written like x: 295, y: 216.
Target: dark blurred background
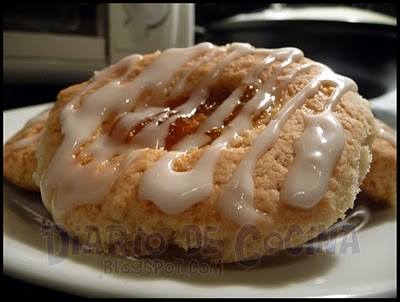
x: 72, y: 40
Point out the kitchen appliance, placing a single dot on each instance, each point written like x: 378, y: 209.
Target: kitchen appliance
x: 65, y: 43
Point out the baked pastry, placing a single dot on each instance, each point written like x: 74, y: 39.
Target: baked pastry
x: 19, y: 161
x: 380, y: 185
x: 202, y: 147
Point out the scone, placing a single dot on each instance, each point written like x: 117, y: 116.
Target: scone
x: 380, y: 185
x: 236, y: 151
x: 19, y: 160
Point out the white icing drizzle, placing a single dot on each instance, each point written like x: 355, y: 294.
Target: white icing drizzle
x: 386, y: 135
x: 315, y: 145
x: 317, y: 149
x: 316, y: 153
x: 154, y: 135
x: 89, y: 183
x: 68, y: 183
x: 159, y: 182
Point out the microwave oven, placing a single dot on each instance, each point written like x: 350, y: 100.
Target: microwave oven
x: 56, y: 43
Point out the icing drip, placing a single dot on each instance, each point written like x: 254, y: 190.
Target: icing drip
x: 317, y: 149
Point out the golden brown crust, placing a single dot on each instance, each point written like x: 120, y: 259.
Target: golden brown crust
x: 19, y: 161
x: 381, y: 181
x: 122, y: 209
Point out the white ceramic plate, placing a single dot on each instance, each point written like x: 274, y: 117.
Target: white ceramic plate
x: 361, y: 263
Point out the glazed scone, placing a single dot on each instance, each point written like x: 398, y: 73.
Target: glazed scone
x: 253, y: 150
x: 19, y: 153
x: 380, y: 185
